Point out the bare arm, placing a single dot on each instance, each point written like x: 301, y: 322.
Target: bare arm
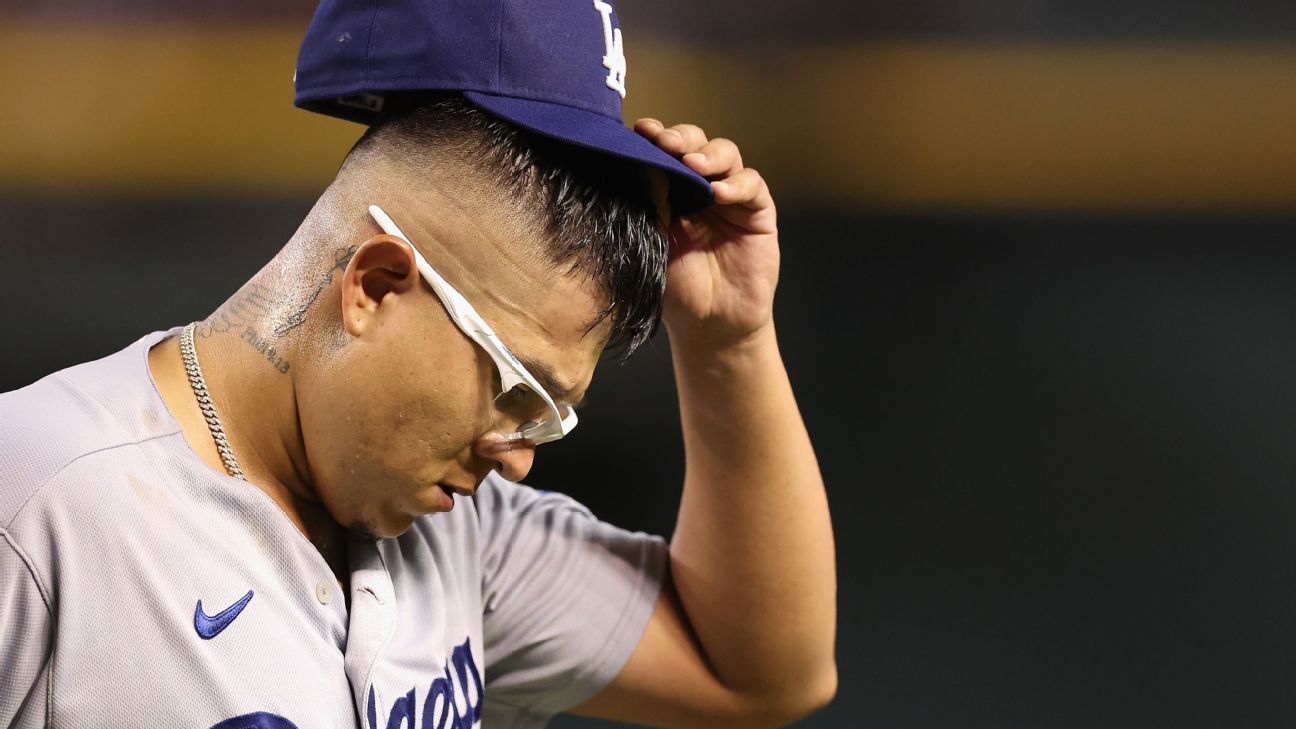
x: 752, y: 557
x: 744, y: 634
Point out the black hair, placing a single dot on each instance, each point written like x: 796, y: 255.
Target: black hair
x: 596, y: 210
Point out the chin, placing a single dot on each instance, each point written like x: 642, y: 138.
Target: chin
x: 365, y: 531
x: 375, y: 529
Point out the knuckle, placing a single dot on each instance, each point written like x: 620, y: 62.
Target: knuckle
x: 690, y: 131
x: 754, y: 183
x: 724, y: 143
x: 725, y: 149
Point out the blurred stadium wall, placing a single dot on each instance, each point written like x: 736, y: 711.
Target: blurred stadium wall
x: 1037, y: 303
x: 934, y: 107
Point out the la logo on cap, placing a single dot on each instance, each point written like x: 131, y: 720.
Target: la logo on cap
x: 614, y: 59
x: 358, y: 52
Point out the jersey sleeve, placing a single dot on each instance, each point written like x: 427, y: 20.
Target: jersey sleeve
x: 25, y: 635
x: 566, y: 598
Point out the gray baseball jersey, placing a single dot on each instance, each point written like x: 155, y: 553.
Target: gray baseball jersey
x: 139, y: 587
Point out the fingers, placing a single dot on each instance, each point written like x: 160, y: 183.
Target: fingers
x: 746, y: 188
x: 648, y: 127
x: 716, y: 159
x: 679, y: 140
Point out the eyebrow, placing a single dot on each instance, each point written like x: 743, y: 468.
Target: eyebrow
x: 544, y: 374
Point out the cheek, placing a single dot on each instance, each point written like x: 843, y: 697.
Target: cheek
x: 412, y: 419
x: 383, y: 425
x: 444, y: 404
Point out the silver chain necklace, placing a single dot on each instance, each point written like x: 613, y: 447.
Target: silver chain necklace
x: 199, y: 385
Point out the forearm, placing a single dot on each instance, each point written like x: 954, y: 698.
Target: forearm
x: 752, y: 557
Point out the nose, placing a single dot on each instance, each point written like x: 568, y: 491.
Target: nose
x: 513, y: 458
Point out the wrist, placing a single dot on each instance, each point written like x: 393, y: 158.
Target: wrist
x: 698, y: 349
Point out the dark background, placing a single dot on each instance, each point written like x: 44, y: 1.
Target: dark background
x: 1056, y: 429
x: 1058, y: 450
x: 731, y: 22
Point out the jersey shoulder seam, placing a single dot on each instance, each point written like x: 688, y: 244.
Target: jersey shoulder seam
x: 18, y: 512
x: 49, y: 610
x: 72, y: 388
x: 31, y: 570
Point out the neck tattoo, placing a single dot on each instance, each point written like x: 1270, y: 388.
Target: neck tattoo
x: 199, y: 385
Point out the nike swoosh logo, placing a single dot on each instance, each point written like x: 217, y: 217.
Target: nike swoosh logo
x: 209, y: 627
x: 257, y: 720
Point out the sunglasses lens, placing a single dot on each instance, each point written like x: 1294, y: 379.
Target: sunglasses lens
x: 521, y: 401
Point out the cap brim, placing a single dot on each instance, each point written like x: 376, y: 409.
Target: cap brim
x: 689, y: 191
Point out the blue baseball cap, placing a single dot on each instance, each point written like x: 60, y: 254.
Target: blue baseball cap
x: 554, y: 67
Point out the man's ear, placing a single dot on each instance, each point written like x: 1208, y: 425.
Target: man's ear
x: 382, y: 267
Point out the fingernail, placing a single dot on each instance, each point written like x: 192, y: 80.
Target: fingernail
x: 697, y: 156
x: 720, y: 187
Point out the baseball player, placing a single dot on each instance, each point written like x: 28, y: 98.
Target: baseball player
x: 302, y: 510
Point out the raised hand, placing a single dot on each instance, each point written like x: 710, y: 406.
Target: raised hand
x: 724, y: 261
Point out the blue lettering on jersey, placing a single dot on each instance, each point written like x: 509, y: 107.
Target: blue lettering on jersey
x: 453, y: 701
x: 257, y: 720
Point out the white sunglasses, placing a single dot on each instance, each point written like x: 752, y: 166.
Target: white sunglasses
x: 562, y: 418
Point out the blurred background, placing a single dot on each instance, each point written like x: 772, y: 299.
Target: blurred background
x: 1037, y: 303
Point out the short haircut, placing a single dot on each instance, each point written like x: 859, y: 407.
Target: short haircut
x: 598, y: 216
